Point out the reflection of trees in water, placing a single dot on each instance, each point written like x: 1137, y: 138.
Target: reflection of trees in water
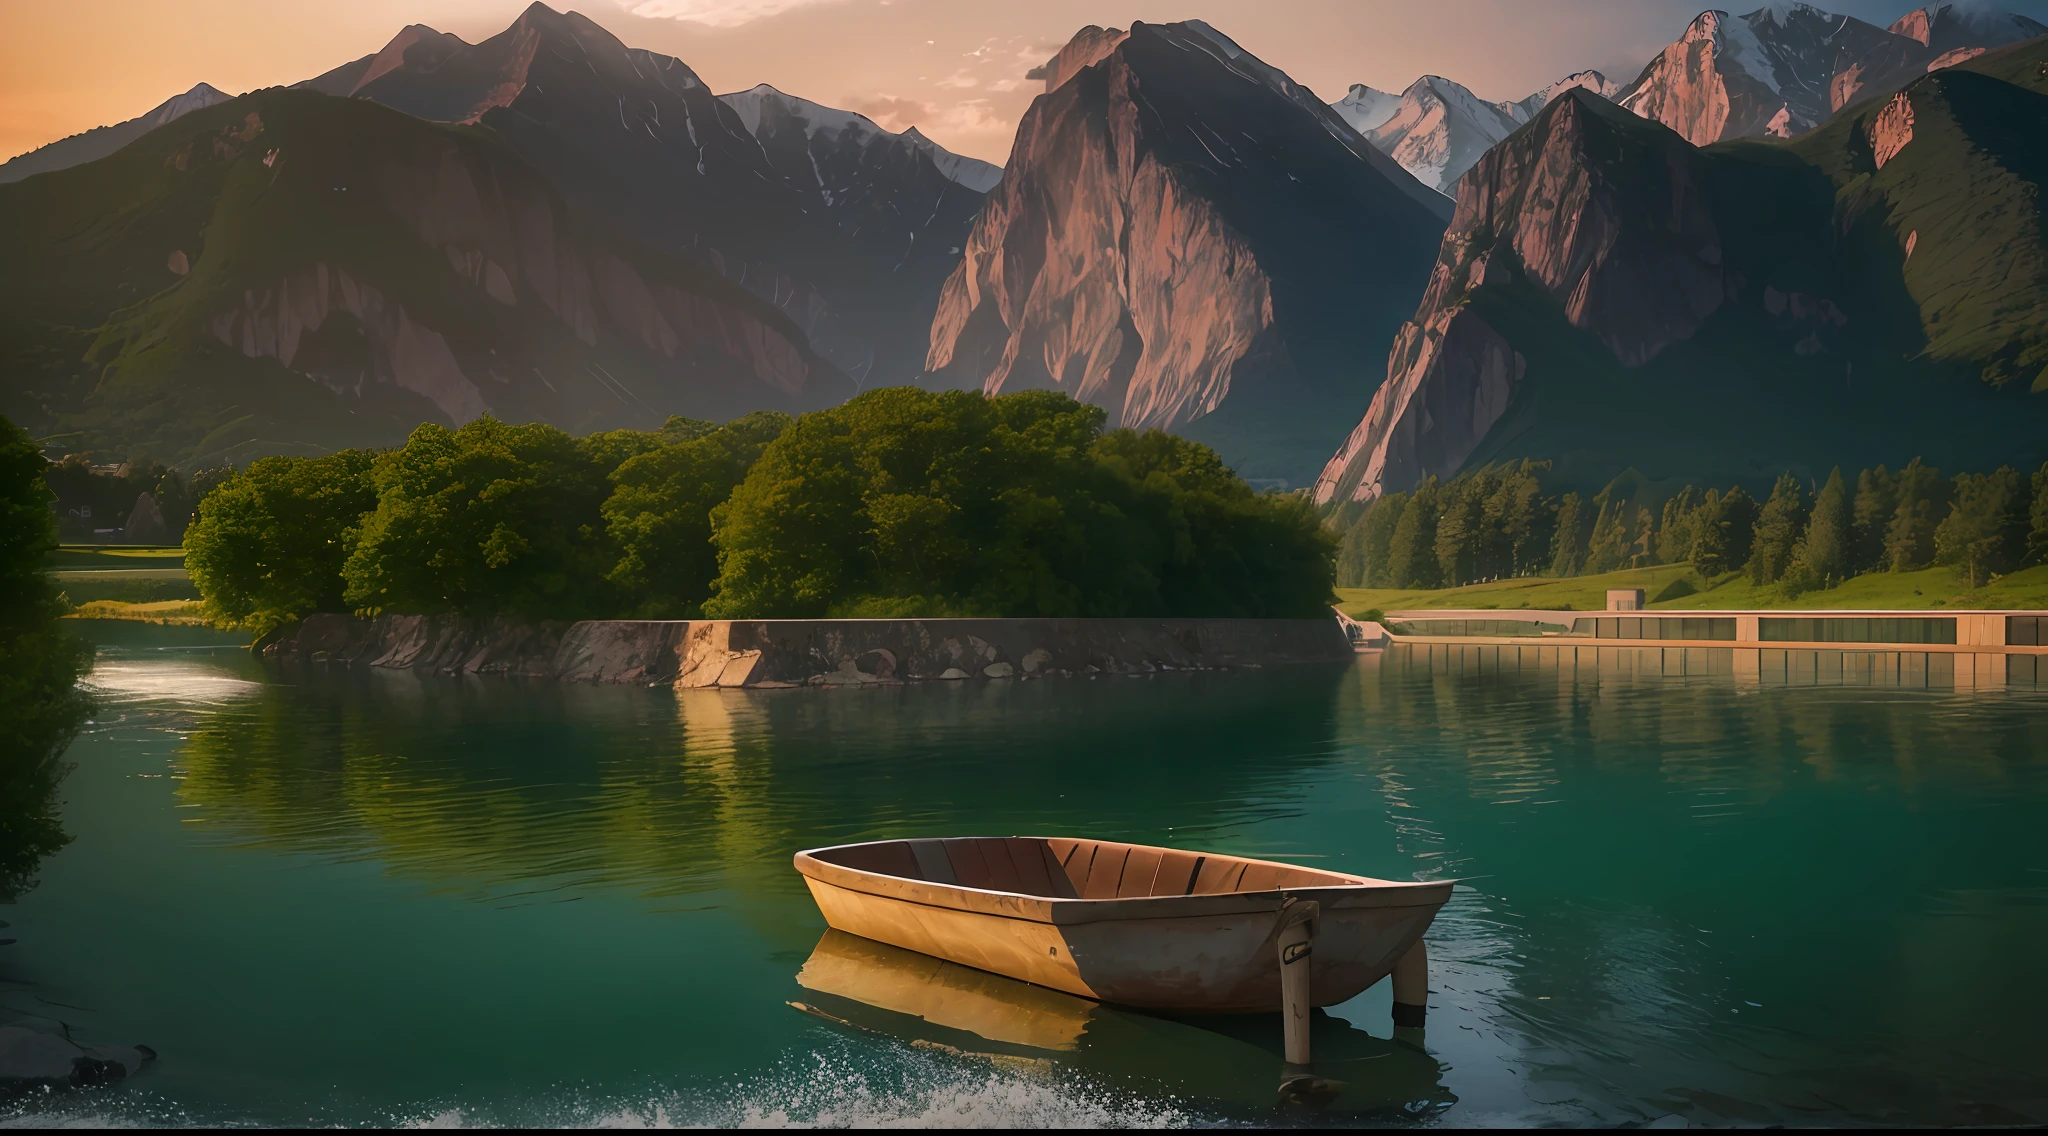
x: 1657, y: 855
x: 41, y: 706
x: 500, y: 781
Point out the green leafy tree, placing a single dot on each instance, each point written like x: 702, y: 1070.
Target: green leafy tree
x: 1877, y: 502
x: 41, y: 705
x: 908, y: 502
x: 659, y: 513
x: 1822, y: 559
x: 1411, y: 554
x: 269, y: 543
x: 1779, y: 527
x: 1923, y: 500
x: 490, y: 519
x: 1568, y: 542
x: 1985, y: 531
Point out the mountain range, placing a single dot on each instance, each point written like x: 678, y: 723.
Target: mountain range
x: 1611, y: 295
x: 100, y: 141
x: 1749, y: 257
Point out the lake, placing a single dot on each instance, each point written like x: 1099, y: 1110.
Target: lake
x: 384, y: 898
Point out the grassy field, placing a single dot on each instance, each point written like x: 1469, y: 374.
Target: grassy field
x: 186, y: 612
x: 88, y: 557
x: 1675, y: 587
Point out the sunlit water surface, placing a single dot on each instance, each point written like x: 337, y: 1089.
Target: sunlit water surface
x: 333, y: 897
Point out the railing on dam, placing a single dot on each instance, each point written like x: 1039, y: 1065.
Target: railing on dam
x: 2022, y: 632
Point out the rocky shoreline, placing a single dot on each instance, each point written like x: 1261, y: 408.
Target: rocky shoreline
x: 784, y: 653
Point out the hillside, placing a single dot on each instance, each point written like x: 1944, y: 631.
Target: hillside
x: 291, y: 272
x: 1611, y: 296
x: 849, y: 229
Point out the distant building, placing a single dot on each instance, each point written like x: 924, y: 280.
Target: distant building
x: 1624, y: 599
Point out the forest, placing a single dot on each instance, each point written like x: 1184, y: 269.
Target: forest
x: 1498, y: 522
x: 900, y: 502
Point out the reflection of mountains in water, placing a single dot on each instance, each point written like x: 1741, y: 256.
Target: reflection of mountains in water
x: 493, y: 780
x: 1230, y: 1062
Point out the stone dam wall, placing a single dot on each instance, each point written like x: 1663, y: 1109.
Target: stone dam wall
x: 781, y: 653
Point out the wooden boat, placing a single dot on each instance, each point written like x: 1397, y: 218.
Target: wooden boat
x: 1153, y: 928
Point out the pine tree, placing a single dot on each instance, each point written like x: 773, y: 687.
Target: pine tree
x: 1609, y: 548
x: 1362, y: 558
x: 1460, y: 530
x: 1877, y: 500
x: 1778, y: 529
x: 1923, y: 499
x: 2037, y: 528
x: 1568, y: 542
x: 1411, y: 555
x: 1726, y: 524
x: 1822, y: 558
x: 1985, y: 532
x: 1525, y: 521
x: 1642, y: 540
x: 1680, y: 527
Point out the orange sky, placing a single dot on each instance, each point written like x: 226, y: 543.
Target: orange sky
x: 954, y: 68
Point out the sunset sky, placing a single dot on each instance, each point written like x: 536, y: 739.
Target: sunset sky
x: 953, y: 68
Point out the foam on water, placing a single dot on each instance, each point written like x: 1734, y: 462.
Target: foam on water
x: 814, y: 1090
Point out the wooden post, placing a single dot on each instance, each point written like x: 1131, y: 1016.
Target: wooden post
x: 1297, y: 944
x: 1411, y: 986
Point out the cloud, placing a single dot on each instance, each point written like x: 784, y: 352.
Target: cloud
x: 1007, y: 85
x: 959, y: 80
x: 973, y: 116
x: 718, y: 13
x: 893, y: 113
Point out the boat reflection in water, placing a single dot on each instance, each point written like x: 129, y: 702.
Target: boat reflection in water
x: 1232, y: 1061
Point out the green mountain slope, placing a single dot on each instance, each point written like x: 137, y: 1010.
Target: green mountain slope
x: 294, y: 272
x: 1871, y: 291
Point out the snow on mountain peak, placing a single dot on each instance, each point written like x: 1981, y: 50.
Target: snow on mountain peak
x: 1366, y: 108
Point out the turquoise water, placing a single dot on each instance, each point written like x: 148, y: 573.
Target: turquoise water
x: 391, y: 899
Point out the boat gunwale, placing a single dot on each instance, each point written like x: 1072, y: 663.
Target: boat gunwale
x: 1060, y: 910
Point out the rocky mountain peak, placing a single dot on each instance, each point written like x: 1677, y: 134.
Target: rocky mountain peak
x: 100, y: 141
x: 1788, y: 67
x: 1089, y: 46
x: 1365, y: 107
x: 1603, y: 213
x: 1189, y: 239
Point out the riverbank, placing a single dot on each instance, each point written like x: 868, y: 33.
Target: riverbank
x: 781, y: 653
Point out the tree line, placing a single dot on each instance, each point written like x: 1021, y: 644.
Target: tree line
x: 901, y: 502
x: 1497, y: 522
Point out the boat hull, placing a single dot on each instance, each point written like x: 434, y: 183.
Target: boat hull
x: 1192, y: 953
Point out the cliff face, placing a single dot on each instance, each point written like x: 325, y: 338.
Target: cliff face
x: 1786, y: 68
x: 304, y: 269
x: 1609, y: 296
x: 1189, y: 240
x: 1603, y: 215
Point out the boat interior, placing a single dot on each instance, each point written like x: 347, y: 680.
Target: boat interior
x: 1073, y: 869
